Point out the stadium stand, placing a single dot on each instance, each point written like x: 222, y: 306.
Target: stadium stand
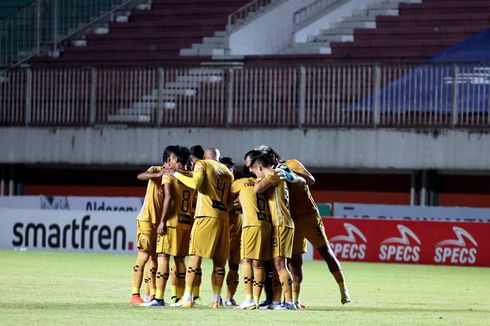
x: 8, y: 7
x: 418, y: 32
x: 150, y: 37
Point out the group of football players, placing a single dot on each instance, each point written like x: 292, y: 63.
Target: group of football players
x: 198, y: 205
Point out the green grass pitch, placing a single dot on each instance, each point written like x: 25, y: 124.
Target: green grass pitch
x: 50, y: 288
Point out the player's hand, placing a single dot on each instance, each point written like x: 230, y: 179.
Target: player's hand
x: 161, y: 229
x: 287, y: 176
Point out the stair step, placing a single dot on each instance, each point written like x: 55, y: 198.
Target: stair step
x: 331, y: 38
x: 129, y: 118
x: 309, y: 50
x: 101, y: 30
x: 214, y: 40
x: 79, y: 43
x: 337, y: 31
x: 355, y: 24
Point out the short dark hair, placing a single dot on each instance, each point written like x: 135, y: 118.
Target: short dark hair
x: 263, y: 160
x: 181, y: 152
x: 252, y: 154
x: 269, y: 151
x: 197, y: 151
x: 227, y: 161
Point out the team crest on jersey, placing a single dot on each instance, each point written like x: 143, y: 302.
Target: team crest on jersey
x: 462, y: 250
x: 405, y: 248
x: 351, y: 246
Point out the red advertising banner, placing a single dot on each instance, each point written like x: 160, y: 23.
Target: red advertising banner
x: 412, y: 242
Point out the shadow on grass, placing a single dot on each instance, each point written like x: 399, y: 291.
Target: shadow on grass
x: 395, y: 309
x: 125, y: 306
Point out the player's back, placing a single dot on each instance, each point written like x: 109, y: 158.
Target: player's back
x: 254, y: 206
x: 181, y: 208
x: 214, y: 193
x: 278, y: 200
x: 153, y: 202
x: 301, y: 201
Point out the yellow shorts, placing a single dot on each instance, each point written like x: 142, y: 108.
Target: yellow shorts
x: 146, y: 235
x: 308, y: 228
x: 282, y: 241
x: 174, y: 243
x: 210, y: 238
x: 256, y: 242
x: 235, y: 235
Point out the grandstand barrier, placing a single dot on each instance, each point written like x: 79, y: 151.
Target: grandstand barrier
x: 409, y: 242
x: 411, y: 213
x: 82, y: 203
x: 431, y: 95
x: 67, y: 230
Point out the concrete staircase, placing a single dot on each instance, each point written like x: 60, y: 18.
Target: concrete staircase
x: 184, y: 86
x: 343, y: 31
x: 216, y: 45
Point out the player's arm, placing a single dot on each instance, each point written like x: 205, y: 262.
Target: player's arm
x: 263, y: 185
x: 307, y: 176
x: 193, y: 182
x: 167, y: 200
x: 151, y: 173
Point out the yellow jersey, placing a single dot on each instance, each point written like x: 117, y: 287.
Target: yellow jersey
x: 254, y: 206
x: 151, y: 209
x: 213, y: 195
x: 278, y: 201
x: 301, y: 201
x: 180, y: 210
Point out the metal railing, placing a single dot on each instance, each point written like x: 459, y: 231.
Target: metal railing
x: 43, y: 25
x: 311, y: 11
x: 400, y: 96
x: 242, y: 14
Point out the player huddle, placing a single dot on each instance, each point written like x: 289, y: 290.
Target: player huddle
x: 259, y: 220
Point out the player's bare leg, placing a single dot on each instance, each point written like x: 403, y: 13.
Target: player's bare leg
x: 231, y: 284
x: 138, y: 270
x: 217, y: 280
x: 248, y: 281
x: 296, y: 268
x: 334, y: 266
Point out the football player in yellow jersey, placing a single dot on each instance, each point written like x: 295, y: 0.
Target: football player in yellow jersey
x: 255, y: 239
x: 277, y: 194
x: 146, y: 230
x: 210, y: 231
x: 174, y: 224
x: 235, y: 214
x: 309, y: 226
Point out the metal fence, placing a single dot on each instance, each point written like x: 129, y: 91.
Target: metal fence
x: 431, y: 95
x: 43, y: 25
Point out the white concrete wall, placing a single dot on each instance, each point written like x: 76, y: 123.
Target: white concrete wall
x: 336, y: 14
x: 269, y: 33
x: 318, y: 148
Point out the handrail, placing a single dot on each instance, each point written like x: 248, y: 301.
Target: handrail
x: 41, y: 26
x: 245, y: 12
x: 312, y: 10
x: 448, y: 95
